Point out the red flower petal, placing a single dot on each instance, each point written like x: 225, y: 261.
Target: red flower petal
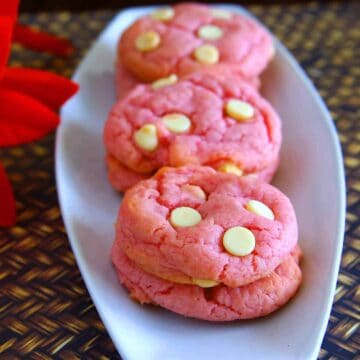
x: 9, y: 8
x: 42, y: 41
x: 6, y: 25
x: 50, y: 89
x: 7, y: 201
x: 23, y: 119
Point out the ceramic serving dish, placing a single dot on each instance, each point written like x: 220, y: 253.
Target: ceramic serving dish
x: 311, y: 174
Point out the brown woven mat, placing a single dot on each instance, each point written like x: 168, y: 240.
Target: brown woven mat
x: 45, y: 310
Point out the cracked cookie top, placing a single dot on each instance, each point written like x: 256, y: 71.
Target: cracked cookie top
x: 203, y: 119
x: 193, y: 225
x: 187, y: 37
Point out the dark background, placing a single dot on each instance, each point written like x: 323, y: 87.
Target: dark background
x: 78, y: 5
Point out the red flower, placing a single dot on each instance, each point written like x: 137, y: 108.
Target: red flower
x: 6, y: 25
x: 7, y: 201
x: 28, y: 97
x: 41, y: 41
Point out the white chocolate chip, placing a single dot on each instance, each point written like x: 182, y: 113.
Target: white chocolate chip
x: 230, y: 168
x: 184, y: 216
x: 166, y: 81
x: 147, y: 41
x: 221, y: 14
x: 239, y: 110
x: 210, y: 32
x: 195, y: 190
x: 259, y: 208
x: 239, y: 241
x: 207, y: 54
x: 146, y: 137
x: 176, y: 123
x: 252, y: 176
x: 163, y: 14
x: 205, y: 283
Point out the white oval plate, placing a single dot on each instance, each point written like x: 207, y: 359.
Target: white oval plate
x: 311, y: 173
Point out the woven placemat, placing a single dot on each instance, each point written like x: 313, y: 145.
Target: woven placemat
x: 45, y: 310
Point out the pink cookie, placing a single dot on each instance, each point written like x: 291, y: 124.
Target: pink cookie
x: 124, y: 81
x: 213, y: 136
x: 151, y: 235
x: 220, y: 303
x: 120, y: 176
x: 154, y: 48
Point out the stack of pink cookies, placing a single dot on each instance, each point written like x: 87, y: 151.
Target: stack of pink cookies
x: 200, y: 231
